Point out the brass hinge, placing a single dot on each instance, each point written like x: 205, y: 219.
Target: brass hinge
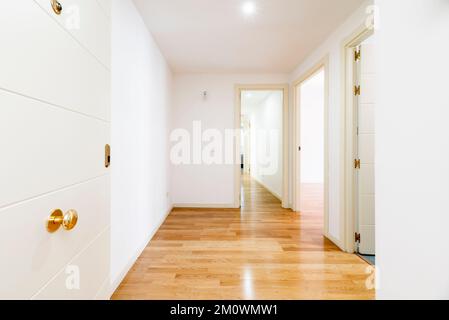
x: 357, y: 163
x: 357, y: 237
x: 357, y: 90
x: 357, y: 55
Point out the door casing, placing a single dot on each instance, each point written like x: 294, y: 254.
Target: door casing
x: 285, y: 139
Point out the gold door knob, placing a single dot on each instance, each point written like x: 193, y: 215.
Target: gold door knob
x: 57, y: 7
x: 58, y: 218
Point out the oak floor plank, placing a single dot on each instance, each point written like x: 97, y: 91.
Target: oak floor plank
x: 258, y: 252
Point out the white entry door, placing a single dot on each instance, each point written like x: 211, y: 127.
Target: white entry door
x: 54, y: 125
x: 366, y: 103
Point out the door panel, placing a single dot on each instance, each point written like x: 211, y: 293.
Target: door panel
x: 367, y: 206
x: 367, y: 245
x: 93, y: 267
x: 47, y: 148
x: 366, y: 116
x: 366, y: 149
x: 366, y: 179
x: 30, y: 255
x: 92, y: 31
x: 54, y: 125
x: 369, y: 62
x: 41, y: 60
x: 368, y: 84
x: 106, y: 6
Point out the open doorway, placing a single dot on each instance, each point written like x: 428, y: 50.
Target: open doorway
x: 310, y: 163
x: 262, y: 122
x: 311, y: 196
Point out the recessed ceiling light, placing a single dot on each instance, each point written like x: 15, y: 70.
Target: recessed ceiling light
x: 249, y: 8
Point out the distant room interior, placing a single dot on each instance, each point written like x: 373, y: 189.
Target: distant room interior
x: 261, y: 139
x: 312, y: 143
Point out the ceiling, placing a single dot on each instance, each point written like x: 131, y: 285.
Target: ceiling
x: 215, y: 35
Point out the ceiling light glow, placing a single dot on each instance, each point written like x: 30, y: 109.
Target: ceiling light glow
x: 249, y: 8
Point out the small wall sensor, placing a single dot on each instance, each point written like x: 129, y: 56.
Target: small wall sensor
x: 205, y: 94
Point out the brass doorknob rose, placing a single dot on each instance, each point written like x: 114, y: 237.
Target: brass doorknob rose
x: 57, y: 219
x: 57, y: 7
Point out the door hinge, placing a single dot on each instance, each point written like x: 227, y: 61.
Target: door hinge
x: 357, y: 90
x: 107, y: 156
x: 357, y: 163
x: 357, y: 55
x: 357, y: 237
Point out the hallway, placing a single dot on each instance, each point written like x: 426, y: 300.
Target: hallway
x: 259, y: 252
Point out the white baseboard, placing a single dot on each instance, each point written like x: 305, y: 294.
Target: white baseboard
x: 204, y: 205
x: 116, y: 282
x: 335, y: 241
x: 269, y: 189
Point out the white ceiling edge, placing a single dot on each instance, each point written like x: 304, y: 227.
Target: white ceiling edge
x: 275, y: 71
x: 335, y: 38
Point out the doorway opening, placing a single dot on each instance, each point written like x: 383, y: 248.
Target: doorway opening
x: 361, y: 99
x: 311, y: 196
x: 262, y: 121
x: 310, y: 163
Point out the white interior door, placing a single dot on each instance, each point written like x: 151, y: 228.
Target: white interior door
x: 365, y: 148
x: 54, y: 125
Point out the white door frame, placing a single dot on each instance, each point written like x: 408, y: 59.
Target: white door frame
x: 247, y: 147
x: 323, y: 64
x: 348, y: 209
x: 285, y: 142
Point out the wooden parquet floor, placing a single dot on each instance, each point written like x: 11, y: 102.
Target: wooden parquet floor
x: 258, y: 252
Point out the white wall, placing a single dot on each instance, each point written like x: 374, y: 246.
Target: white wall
x: 209, y: 185
x: 332, y: 48
x: 412, y: 162
x: 312, y: 129
x: 141, y: 90
x: 266, y: 141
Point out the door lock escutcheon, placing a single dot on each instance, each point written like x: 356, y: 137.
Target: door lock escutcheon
x: 107, y: 156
